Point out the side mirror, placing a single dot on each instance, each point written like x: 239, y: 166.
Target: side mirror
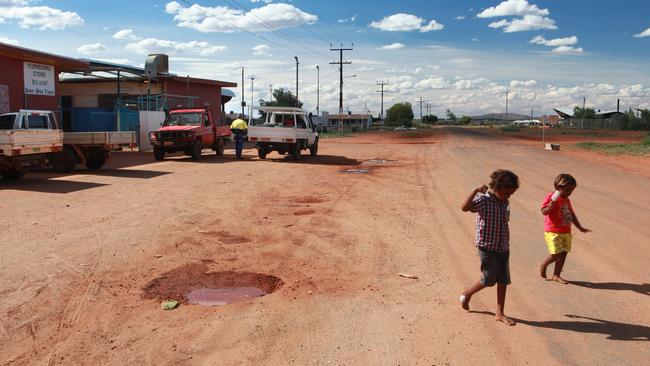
x: 161, y: 124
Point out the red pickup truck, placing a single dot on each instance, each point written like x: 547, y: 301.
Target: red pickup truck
x: 190, y: 131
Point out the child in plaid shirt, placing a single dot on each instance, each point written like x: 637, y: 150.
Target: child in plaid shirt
x: 492, y: 237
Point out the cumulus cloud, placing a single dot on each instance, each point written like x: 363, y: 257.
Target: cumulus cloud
x: 90, y: 49
x: 434, y: 83
x: 473, y: 83
x: 645, y: 33
x: 351, y: 19
x: 224, y: 19
x: 568, y: 49
x: 519, y: 83
x: 512, y: 8
x: 393, y: 46
x: 460, y: 17
x: 405, y: 23
x: 260, y: 50
x: 528, y: 16
x: 557, y: 42
x: 8, y: 41
x: 527, y: 23
x: 153, y: 45
x: 126, y: 34
x: 39, y: 17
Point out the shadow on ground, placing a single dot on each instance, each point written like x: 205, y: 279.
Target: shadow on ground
x: 643, y: 289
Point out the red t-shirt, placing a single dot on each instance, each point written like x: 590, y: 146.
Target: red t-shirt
x: 561, y: 216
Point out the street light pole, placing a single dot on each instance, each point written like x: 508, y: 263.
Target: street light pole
x: 317, y: 90
x: 243, y: 102
x: 297, y: 63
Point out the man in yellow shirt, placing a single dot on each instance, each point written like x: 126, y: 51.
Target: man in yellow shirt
x: 239, y: 130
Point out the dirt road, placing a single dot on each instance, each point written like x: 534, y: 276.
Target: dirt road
x: 87, y: 258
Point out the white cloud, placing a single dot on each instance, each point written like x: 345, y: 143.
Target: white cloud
x: 645, y: 33
x: 512, y: 8
x: 435, y: 83
x: 224, y: 19
x: 557, y: 42
x: 527, y: 23
x: 90, y: 49
x: 40, y: 17
x: 474, y: 83
x: 260, y: 50
x: 567, y: 49
x: 460, y: 17
x: 393, y: 46
x: 8, y: 41
x: 126, y: 34
x: 405, y: 23
x: 153, y: 45
x: 528, y: 83
x: 351, y: 19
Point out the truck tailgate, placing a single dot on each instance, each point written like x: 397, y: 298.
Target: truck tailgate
x: 23, y: 142
x: 273, y: 134
x: 99, y: 138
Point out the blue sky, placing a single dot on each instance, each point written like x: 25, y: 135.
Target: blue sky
x: 461, y: 55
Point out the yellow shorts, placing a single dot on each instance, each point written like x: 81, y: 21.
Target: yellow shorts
x: 558, y: 243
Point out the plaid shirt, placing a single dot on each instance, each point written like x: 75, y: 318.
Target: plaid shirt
x: 492, y: 232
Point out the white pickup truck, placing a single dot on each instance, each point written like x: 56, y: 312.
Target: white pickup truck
x: 27, y: 138
x: 286, y: 130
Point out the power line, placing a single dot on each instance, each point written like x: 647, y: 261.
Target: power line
x: 381, y: 111
x: 340, y: 63
x: 420, y: 101
x: 343, y: 38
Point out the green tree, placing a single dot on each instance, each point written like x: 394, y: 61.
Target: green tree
x: 400, y: 114
x: 282, y: 98
x: 584, y: 113
x: 465, y: 120
x: 450, y: 115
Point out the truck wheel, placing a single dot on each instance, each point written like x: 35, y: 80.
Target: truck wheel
x: 95, y: 159
x: 261, y: 152
x: 158, y: 153
x: 63, y: 161
x: 295, y: 151
x: 313, y: 150
x: 196, y: 150
x: 218, y: 147
x: 13, y: 174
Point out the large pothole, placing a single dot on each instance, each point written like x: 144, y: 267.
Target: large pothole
x: 194, y: 284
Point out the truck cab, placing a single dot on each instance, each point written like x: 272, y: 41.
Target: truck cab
x: 189, y: 131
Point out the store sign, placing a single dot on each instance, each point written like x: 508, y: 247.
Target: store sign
x: 39, y: 79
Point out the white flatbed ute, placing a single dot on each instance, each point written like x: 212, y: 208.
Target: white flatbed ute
x: 287, y: 130
x: 93, y: 149
x: 27, y: 138
x: 100, y: 138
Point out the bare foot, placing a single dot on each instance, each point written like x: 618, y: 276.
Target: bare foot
x: 464, y: 302
x: 560, y: 280
x: 504, y: 319
x: 542, y: 271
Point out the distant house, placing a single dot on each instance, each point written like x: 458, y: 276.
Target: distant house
x: 359, y: 121
x: 599, y: 114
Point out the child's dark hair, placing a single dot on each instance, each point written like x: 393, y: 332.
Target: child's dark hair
x: 500, y: 179
x: 564, y: 180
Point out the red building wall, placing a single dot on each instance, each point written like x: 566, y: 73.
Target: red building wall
x: 12, y: 75
x: 209, y: 95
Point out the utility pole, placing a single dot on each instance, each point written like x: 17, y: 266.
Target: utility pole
x: 271, y: 92
x: 250, y: 113
x: 297, y: 63
x: 428, y: 109
x: 381, y: 111
x: 507, y: 91
x: 243, y: 102
x: 421, y: 101
x: 317, y: 90
x: 340, y: 62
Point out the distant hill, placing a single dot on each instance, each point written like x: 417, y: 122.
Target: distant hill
x: 499, y: 117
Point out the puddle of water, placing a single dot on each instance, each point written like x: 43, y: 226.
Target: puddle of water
x: 357, y: 171
x: 222, y: 296
x: 379, y: 161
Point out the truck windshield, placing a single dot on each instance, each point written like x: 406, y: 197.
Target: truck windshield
x: 184, y: 119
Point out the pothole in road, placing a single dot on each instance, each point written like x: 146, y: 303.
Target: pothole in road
x: 357, y: 171
x: 226, y: 237
x: 304, y: 212
x: 309, y: 200
x: 192, y: 283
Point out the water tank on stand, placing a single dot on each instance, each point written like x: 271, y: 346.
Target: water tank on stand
x: 156, y: 65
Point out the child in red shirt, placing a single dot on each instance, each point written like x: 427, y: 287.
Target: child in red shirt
x: 559, y: 216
